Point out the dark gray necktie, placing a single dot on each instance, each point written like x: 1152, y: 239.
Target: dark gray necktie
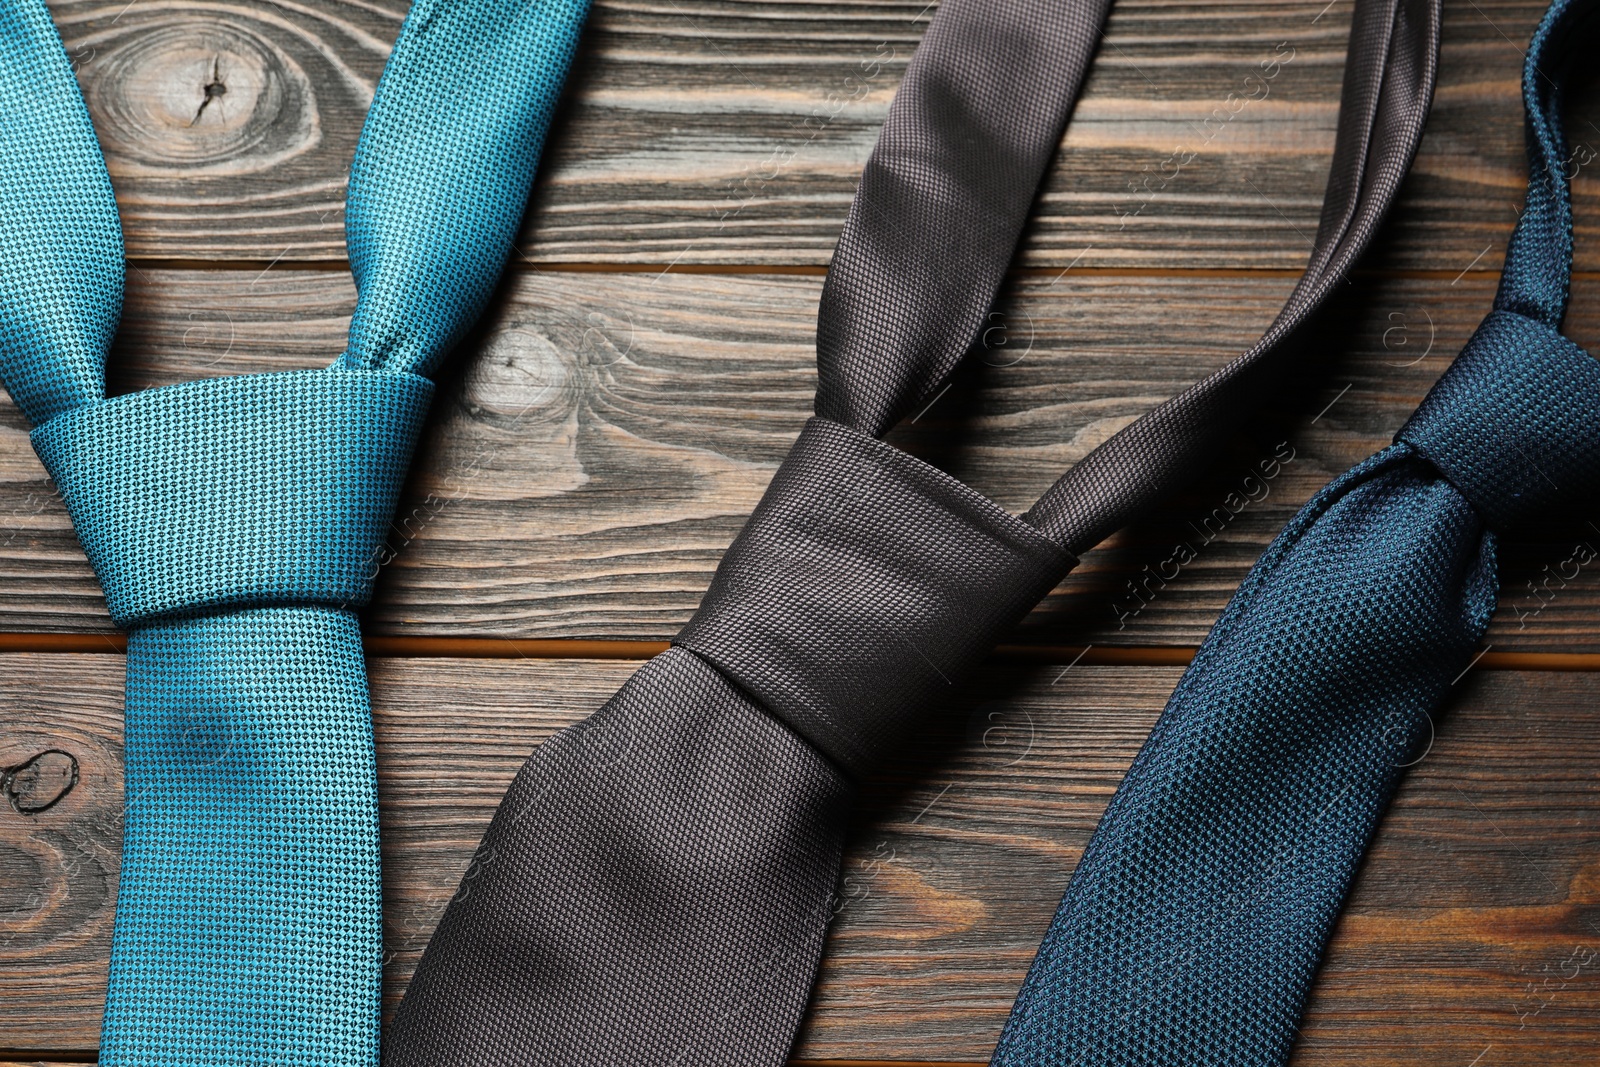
x: 657, y: 883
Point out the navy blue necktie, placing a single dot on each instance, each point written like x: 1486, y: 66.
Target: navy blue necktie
x: 1194, y: 924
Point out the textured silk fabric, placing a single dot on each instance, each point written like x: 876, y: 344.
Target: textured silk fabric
x: 635, y: 914
x: 654, y: 889
x: 234, y: 526
x: 669, y: 907
x: 656, y: 885
x: 263, y: 488
x: 249, y: 908
x: 444, y: 167
x: 1193, y: 926
x: 60, y: 239
x: 1514, y: 424
x: 943, y: 199
x: 863, y: 585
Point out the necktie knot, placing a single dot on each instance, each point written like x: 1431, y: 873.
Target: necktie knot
x: 251, y: 490
x: 1514, y: 424
x: 864, y: 586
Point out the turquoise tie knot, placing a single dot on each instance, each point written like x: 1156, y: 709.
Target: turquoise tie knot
x: 254, y: 490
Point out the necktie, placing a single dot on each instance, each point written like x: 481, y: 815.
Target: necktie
x: 233, y: 524
x: 656, y: 885
x: 1194, y: 922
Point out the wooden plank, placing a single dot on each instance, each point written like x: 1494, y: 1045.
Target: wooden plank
x: 59, y: 846
x: 602, y: 440
x: 1476, y: 920
x: 708, y: 132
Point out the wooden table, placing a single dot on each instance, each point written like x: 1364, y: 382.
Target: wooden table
x: 643, y: 370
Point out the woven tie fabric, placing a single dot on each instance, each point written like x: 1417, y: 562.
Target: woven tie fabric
x: 656, y: 886
x: 234, y: 523
x: 60, y: 240
x: 1194, y: 923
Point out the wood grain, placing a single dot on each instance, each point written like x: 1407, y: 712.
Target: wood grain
x: 1462, y: 932
x: 715, y: 132
x: 604, y: 435
x: 58, y: 866
x: 603, y: 438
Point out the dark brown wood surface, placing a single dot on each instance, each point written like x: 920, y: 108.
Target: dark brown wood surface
x: 1476, y: 922
x: 647, y: 362
x: 720, y: 132
x: 603, y: 439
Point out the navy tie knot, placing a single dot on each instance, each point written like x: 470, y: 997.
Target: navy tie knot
x: 1514, y: 424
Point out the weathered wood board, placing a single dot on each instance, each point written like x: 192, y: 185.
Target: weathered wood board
x: 715, y: 132
x: 601, y: 441
x: 1476, y: 920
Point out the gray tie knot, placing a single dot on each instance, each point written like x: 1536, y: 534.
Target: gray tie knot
x: 864, y: 586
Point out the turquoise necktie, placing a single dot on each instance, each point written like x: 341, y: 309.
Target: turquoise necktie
x: 1193, y: 925
x: 234, y: 523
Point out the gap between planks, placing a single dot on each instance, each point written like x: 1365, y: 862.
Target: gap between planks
x: 578, y: 648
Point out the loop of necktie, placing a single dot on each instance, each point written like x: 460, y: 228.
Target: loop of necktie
x: 1536, y: 278
x: 942, y: 201
x: 232, y: 523
x: 271, y: 488
x: 849, y: 656
x: 444, y: 168
x: 935, y: 222
x: 867, y: 583
x: 1388, y: 86
x: 60, y: 238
